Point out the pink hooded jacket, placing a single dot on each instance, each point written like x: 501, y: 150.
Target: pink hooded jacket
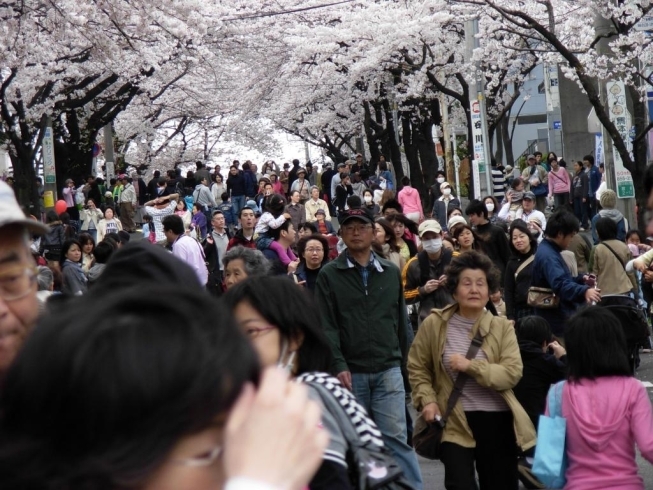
x: 606, y: 418
x: 410, y: 201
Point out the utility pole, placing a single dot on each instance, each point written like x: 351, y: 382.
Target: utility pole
x: 109, y: 160
x: 480, y: 145
x: 552, y: 92
x: 49, y: 168
x: 615, y: 98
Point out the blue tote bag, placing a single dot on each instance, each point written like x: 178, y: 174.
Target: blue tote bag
x: 550, y: 462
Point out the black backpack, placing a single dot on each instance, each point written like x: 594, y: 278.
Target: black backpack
x: 370, y: 465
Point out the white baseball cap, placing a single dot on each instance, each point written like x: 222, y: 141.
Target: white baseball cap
x: 11, y: 214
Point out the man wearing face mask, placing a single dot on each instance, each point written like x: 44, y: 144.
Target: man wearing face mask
x: 445, y: 202
x: 423, y: 276
x: 434, y: 190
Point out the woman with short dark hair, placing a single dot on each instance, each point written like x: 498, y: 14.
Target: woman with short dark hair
x: 608, y: 412
x: 74, y: 280
x: 313, y: 252
x: 488, y: 423
x: 517, y: 278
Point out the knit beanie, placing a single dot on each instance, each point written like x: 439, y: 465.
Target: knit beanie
x: 608, y: 199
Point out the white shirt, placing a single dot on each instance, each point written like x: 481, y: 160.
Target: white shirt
x: 157, y: 215
x: 241, y: 483
x: 533, y: 214
x: 190, y: 251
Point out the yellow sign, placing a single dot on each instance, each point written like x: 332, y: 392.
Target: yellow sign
x: 48, y: 199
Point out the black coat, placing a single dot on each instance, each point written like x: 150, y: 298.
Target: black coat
x: 540, y: 371
x: 342, y: 194
x: 515, y: 290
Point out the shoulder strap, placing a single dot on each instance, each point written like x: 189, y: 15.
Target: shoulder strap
x: 524, y: 264
x: 614, y: 253
x: 554, y: 399
x: 462, y: 377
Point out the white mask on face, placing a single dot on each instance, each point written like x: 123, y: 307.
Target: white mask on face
x: 446, y: 191
x: 432, y: 246
x: 367, y: 198
x: 490, y: 207
x: 440, y: 180
x: 286, y: 365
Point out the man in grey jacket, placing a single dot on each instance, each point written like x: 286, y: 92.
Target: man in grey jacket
x: 204, y: 197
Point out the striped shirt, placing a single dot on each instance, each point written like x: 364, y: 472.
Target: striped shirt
x: 498, y: 183
x: 474, y: 396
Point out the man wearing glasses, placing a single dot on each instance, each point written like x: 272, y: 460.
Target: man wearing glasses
x: 364, y: 317
x: 19, y: 306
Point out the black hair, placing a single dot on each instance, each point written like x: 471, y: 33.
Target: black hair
x: 124, y: 236
x: 451, y: 210
x: 538, y: 153
x: 408, y: 223
x: 246, y: 166
x: 589, y: 158
x: 442, y: 173
x: 561, y: 222
x: 290, y: 309
x: 392, y: 204
x: 65, y: 218
x: 308, y: 226
x: 478, y: 243
x: 391, y: 239
x: 51, y: 216
x: 476, y: 207
x: 102, y: 252
x: 112, y: 210
x: 275, y: 204
x: 405, y: 180
x: 156, y: 174
x: 596, y: 345
x: 245, y: 208
x: 606, y: 229
x: 562, y: 163
x: 497, y: 207
x: 66, y: 246
x: 516, y: 182
x: 125, y: 376
x: 147, y: 218
x: 173, y: 223
x: 635, y: 232
x: 521, y: 225
x: 648, y: 180
x: 533, y: 328
x: 85, y: 238
x: 301, y: 247
x: 354, y: 202
x: 475, y: 261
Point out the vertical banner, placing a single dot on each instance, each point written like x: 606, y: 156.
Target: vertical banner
x: 477, y: 179
x: 598, y: 149
x: 619, y: 115
x: 47, y: 148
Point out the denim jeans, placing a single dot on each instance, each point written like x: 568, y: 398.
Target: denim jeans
x: 238, y: 203
x: 383, y: 396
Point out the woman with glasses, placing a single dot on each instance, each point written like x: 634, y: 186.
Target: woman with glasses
x: 313, y: 253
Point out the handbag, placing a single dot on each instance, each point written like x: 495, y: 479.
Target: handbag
x: 551, y: 461
x: 544, y: 298
x: 427, y: 437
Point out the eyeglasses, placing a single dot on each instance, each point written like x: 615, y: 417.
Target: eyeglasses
x: 253, y: 332
x: 204, y: 460
x: 17, y: 282
x: 314, y: 250
x: 356, y: 228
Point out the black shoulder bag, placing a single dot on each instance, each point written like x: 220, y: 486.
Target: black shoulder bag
x: 427, y: 435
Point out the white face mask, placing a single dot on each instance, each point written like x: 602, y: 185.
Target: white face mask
x: 286, y: 364
x: 367, y: 198
x: 446, y: 191
x: 490, y: 207
x: 440, y: 180
x: 432, y: 246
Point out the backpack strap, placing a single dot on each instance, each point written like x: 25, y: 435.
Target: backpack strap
x: 614, y: 253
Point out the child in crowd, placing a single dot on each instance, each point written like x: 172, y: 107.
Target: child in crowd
x: 149, y: 233
x: 228, y: 211
x: 273, y: 217
x: 198, y: 222
x: 499, y: 304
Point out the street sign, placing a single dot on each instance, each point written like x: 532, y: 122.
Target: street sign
x: 557, y: 124
x: 96, y: 150
x: 620, y: 116
x: 645, y: 23
x: 47, y: 148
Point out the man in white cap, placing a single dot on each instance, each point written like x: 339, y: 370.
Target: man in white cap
x: 423, y: 276
x: 19, y: 306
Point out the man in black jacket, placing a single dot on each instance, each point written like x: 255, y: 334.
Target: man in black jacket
x: 494, y: 238
x: 215, y: 246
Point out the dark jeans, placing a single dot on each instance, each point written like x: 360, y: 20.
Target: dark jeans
x: 580, y: 210
x: 540, y: 203
x: 561, y: 201
x: 590, y: 205
x: 495, y: 455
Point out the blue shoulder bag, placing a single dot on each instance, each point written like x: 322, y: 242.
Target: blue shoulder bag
x: 551, y: 463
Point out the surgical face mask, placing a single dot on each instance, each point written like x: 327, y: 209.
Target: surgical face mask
x: 490, y: 207
x: 432, y: 246
x: 440, y: 180
x: 286, y: 364
x: 367, y: 198
x: 446, y: 191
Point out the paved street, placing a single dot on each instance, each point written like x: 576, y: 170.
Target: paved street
x: 433, y: 471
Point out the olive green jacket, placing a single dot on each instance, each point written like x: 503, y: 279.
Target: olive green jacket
x: 501, y: 372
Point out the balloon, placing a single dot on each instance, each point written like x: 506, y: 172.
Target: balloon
x: 61, y: 206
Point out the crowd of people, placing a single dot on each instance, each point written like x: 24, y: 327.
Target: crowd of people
x: 189, y: 355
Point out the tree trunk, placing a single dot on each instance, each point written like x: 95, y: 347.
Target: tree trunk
x: 507, y: 141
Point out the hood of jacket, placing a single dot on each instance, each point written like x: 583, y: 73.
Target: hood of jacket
x: 599, y: 407
x: 410, y: 191
x: 614, y: 214
x: 530, y: 350
x: 199, y: 187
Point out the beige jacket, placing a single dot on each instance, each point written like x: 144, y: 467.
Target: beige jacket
x: 501, y: 372
x: 610, y: 274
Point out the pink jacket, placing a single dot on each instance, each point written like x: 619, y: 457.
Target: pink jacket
x: 409, y: 199
x: 606, y: 418
x: 559, y: 182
